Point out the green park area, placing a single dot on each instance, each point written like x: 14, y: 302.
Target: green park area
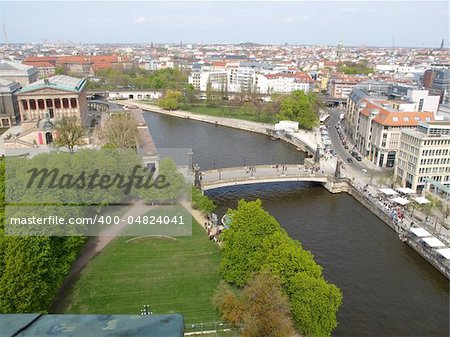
x: 171, y: 276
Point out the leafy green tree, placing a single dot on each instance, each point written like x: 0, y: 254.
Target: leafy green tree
x: 243, y: 243
x: 171, y: 100
x: 202, y: 202
x: 300, y: 107
x: 314, y: 304
x: 256, y: 242
x: 70, y: 133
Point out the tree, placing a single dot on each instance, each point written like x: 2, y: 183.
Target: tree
x: 120, y: 131
x: 262, y: 308
x: 70, y: 133
x: 256, y: 243
x: 202, y: 202
x: 300, y: 107
x: 171, y: 100
x: 314, y: 304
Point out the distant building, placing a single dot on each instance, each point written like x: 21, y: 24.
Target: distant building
x: 9, y: 109
x: 341, y: 87
x: 424, y: 155
x: 17, y: 72
x: 441, y: 83
x: 45, y: 65
x: 284, y: 82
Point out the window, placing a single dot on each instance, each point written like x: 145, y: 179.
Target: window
x: 32, y: 104
x: 73, y: 102
x: 24, y: 104
x: 421, y: 104
x: 41, y: 104
x: 49, y: 103
x: 395, y: 119
x: 406, y: 119
x: 57, y: 103
x: 65, y: 103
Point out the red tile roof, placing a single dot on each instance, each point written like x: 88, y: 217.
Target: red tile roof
x: 388, y: 117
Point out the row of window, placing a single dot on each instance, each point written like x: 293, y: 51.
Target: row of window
x: 436, y: 178
x: 437, y: 142
x: 434, y: 169
x: 439, y: 152
x: 435, y: 161
x: 57, y: 103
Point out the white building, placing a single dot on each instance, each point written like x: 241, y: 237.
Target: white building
x: 284, y: 82
x: 424, y: 156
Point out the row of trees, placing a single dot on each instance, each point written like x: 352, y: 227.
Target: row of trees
x: 298, y: 106
x: 255, y: 244
x: 140, y: 79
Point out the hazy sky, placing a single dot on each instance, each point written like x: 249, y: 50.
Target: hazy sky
x: 410, y: 23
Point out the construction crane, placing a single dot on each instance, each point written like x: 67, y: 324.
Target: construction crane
x: 5, y: 35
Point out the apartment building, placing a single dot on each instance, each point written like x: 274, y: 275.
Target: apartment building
x: 424, y: 156
x: 380, y: 124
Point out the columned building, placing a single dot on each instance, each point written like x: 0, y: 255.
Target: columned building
x: 424, y: 156
x: 59, y: 96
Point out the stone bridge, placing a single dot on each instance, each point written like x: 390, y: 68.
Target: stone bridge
x: 232, y: 176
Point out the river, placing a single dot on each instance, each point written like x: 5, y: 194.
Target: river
x: 388, y: 289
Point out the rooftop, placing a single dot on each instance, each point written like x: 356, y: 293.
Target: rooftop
x: 59, y: 82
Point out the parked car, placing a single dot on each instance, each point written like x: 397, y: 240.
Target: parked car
x: 364, y: 170
x: 349, y: 160
x: 346, y: 147
x: 358, y: 158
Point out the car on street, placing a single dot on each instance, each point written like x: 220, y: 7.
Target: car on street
x: 346, y: 147
x: 364, y: 170
x: 358, y: 158
x: 349, y: 160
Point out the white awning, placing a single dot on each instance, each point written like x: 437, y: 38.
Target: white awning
x: 420, y: 232
x: 388, y: 191
x: 433, y: 242
x: 401, y: 201
x: 405, y: 190
x: 445, y: 252
x: 421, y: 200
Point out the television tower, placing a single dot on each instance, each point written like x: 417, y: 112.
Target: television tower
x: 5, y: 35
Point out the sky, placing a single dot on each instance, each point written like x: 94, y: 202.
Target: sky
x: 357, y: 23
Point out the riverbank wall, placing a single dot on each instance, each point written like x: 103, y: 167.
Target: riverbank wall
x: 415, y: 243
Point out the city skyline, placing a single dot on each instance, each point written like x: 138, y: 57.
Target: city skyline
x: 422, y: 24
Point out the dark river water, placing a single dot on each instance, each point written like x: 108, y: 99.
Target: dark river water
x: 388, y: 289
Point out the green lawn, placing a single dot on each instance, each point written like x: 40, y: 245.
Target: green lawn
x: 238, y: 113
x: 170, y: 276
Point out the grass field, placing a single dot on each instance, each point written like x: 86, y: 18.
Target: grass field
x: 238, y: 113
x: 171, y: 276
